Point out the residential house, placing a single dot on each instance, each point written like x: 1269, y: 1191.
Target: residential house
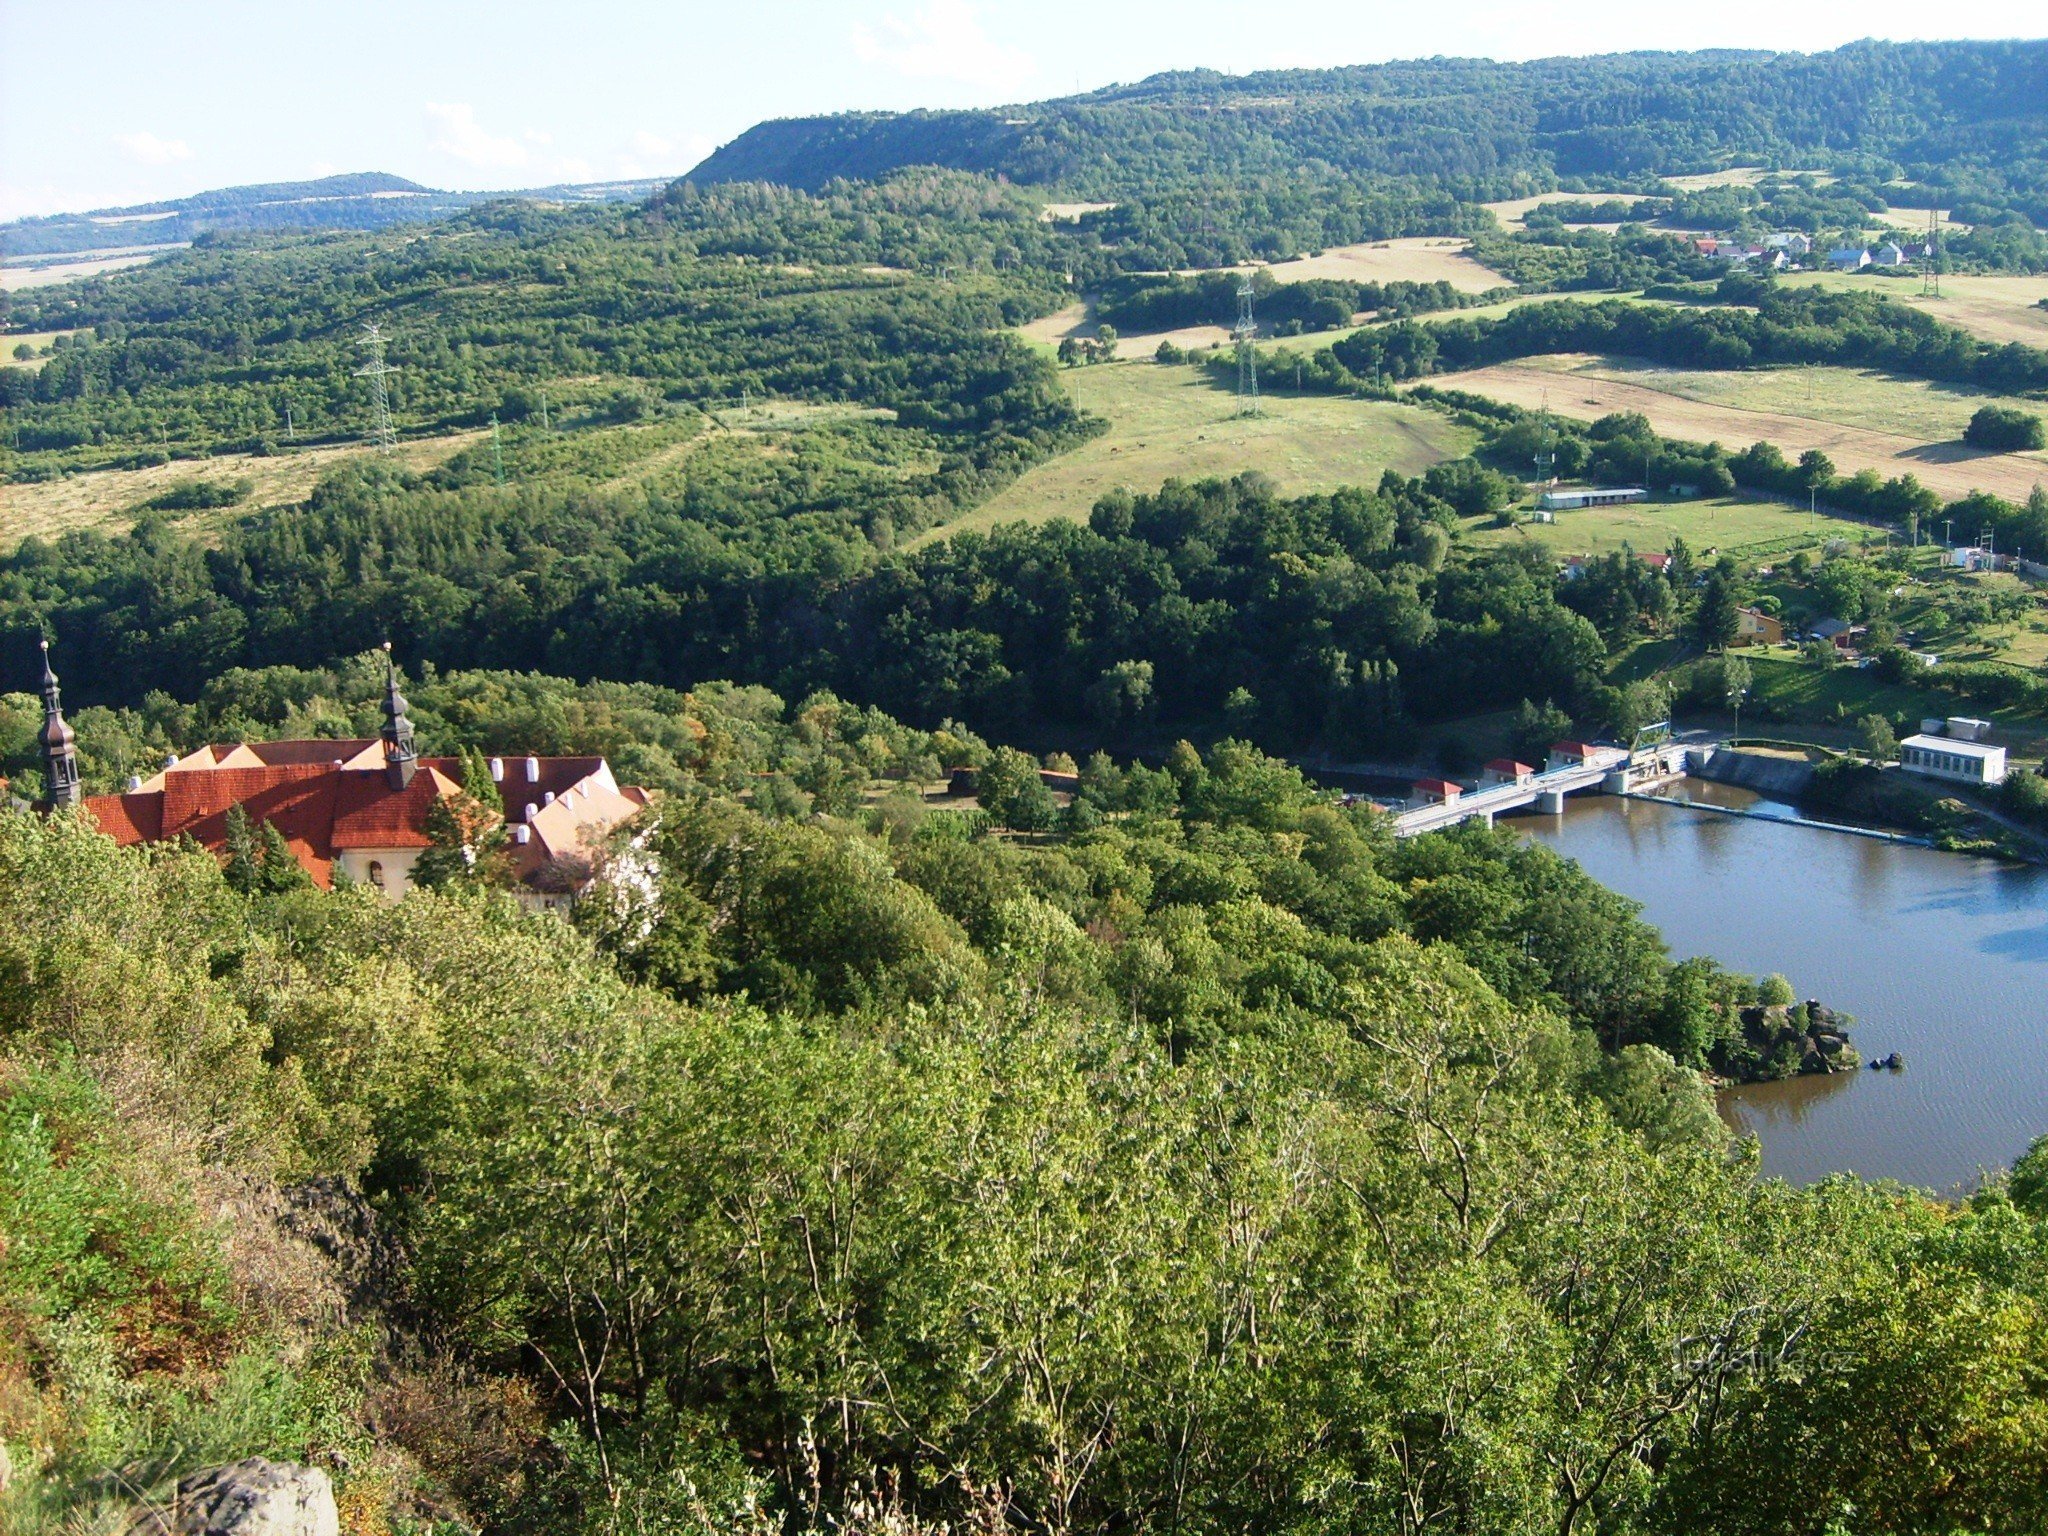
x: 1848, y: 258
x: 1888, y: 255
x: 1755, y: 627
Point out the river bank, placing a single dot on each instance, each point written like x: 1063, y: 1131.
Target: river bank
x: 1939, y: 957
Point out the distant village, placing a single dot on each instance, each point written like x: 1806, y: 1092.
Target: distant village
x: 1791, y: 251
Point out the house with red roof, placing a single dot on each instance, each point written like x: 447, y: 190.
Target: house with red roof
x: 1434, y: 792
x: 355, y: 811
x: 1505, y: 770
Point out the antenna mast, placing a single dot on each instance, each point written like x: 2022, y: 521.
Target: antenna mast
x: 1247, y: 354
x: 372, y: 341
x: 1930, y: 274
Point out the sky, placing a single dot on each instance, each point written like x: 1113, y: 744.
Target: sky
x: 110, y: 102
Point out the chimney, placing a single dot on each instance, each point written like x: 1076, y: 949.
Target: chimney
x: 170, y: 759
x: 548, y: 798
x: 533, y: 770
x: 134, y: 782
x: 522, y: 835
x: 497, y: 770
x: 532, y: 810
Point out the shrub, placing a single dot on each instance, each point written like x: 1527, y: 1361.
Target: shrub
x: 2002, y: 430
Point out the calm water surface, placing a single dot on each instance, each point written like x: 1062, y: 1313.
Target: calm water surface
x: 1939, y: 957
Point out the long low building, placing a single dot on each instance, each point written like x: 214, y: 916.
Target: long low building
x: 1571, y: 498
x: 1946, y: 757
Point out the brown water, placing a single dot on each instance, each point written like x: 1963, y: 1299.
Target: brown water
x: 1939, y: 957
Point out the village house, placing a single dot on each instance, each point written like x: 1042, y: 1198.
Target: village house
x: 1755, y: 627
x: 354, y: 811
x: 1888, y: 255
x: 1848, y: 258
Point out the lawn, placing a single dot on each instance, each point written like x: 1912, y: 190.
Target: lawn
x: 1742, y: 527
x: 1168, y: 422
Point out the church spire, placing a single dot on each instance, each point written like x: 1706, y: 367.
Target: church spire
x: 401, y: 759
x: 59, y: 746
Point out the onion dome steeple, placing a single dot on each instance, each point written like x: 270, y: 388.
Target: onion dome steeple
x: 59, y: 746
x: 401, y: 758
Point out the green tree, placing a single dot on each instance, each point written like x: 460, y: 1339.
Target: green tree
x: 1717, y: 623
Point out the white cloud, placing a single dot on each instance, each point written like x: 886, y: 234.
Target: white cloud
x: 151, y: 150
x: 460, y: 135
x: 645, y: 143
x: 945, y: 40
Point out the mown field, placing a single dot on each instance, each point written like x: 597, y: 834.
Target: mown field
x: 1860, y: 420
x: 1997, y: 308
x: 1717, y: 523
x: 1420, y: 259
x: 1168, y: 422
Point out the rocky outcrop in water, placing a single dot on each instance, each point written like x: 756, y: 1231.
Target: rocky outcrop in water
x: 1773, y: 1042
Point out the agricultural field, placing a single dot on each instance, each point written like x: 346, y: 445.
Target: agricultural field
x: 1168, y: 422
x: 43, y: 273
x: 112, y: 499
x: 35, y: 341
x: 1420, y: 259
x: 1080, y: 322
x: 1725, y: 523
x: 1769, y: 405
x: 1997, y: 308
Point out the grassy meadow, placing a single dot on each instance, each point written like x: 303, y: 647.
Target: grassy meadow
x: 1168, y: 422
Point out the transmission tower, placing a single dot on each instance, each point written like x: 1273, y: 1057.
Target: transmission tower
x: 497, y: 457
x: 1930, y: 266
x: 372, y: 341
x: 1546, y: 445
x: 1247, y: 354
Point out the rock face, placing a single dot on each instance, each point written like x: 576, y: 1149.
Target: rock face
x: 250, y: 1498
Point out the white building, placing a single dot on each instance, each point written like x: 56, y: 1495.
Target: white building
x: 1944, y: 757
x: 1571, y: 499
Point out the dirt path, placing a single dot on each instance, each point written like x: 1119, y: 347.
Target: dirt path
x: 1949, y: 469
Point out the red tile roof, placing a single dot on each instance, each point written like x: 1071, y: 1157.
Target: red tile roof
x: 1508, y: 765
x: 323, y: 809
x: 1442, y: 787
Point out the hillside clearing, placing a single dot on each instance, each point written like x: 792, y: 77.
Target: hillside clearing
x: 1168, y: 423
x: 1719, y: 523
x: 1080, y: 322
x: 1421, y: 259
x: 1947, y: 468
x: 111, y: 499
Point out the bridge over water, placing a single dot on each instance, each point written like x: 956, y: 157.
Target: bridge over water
x: 1615, y: 771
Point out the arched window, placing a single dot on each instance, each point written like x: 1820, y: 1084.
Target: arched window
x: 377, y: 873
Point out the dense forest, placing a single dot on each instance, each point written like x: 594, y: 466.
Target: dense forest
x: 1181, y: 1172
x: 1967, y: 116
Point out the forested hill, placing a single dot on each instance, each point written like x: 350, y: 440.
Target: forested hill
x: 1977, y: 111
x: 360, y: 200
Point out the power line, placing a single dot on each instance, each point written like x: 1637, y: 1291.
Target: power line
x: 372, y: 341
x: 1247, y: 354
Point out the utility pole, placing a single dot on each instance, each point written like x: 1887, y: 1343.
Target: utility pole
x: 497, y: 457
x: 374, y: 370
x: 290, y: 435
x: 1930, y: 275
x: 544, y: 411
x: 1247, y: 354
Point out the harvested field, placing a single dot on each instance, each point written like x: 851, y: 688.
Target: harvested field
x: 1425, y: 259
x: 43, y: 274
x: 111, y: 499
x: 1996, y: 308
x: 1168, y: 422
x: 1079, y: 320
x: 1947, y: 468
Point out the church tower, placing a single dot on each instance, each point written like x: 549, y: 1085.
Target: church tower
x: 401, y: 758
x: 59, y: 746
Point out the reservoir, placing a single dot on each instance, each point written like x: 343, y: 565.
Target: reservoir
x: 1940, y: 957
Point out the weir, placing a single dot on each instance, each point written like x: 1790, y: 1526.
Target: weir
x: 1615, y: 771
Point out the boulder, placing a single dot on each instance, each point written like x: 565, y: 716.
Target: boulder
x: 250, y: 1498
